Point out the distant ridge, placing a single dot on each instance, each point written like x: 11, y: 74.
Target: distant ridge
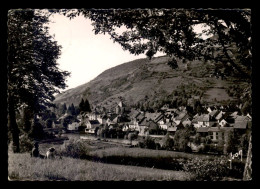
x: 137, y: 80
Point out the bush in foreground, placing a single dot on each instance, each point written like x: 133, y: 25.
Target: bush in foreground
x: 75, y: 149
x: 213, y: 170
x: 148, y: 143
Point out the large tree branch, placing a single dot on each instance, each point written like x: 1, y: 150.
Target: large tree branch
x: 230, y: 60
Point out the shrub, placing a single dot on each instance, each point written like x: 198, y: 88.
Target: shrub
x: 26, y: 144
x: 132, y: 136
x: 208, y: 140
x: 158, y: 146
x: 197, y: 139
x: 141, y: 144
x: 209, y: 170
x: 148, y: 143
x: 167, y: 142
x: 75, y: 149
x: 37, y: 130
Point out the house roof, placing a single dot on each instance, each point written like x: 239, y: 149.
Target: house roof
x: 152, y: 124
x: 195, y: 118
x: 143, y: 122
x: 171, y: 110
x: 202, y: 130
x: 134, y: 113
x: 116, y: 119
x: 187, y: 122
x: 214, y: 113
x: 234, y: 114
x: 171, y: 124
x: 159, y: 118
x: 242, y: 118
x: 206, y: 117
x: 140, y: 116
x: 112, y: 117
x: 200, y: 118
x: 240, y: 125
x: 226, y: 128
x: 179, y: 110
x: 220, y: 129
x: 222, y: 119
x: 181, y: 116
x: 152, y: 116
x: 214, y: 129
x: 172, y: 128
x: 220, y: 115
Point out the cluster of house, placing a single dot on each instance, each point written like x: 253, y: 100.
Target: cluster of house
x: 215, y: 123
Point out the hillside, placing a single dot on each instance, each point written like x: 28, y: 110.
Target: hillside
x: 151, y: 79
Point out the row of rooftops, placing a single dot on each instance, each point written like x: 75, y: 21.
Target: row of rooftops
x: 180, y: 115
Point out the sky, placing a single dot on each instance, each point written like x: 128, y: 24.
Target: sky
x: 83, y: 53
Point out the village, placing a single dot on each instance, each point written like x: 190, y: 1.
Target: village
x: 211, y: 128
x: 142, y: 94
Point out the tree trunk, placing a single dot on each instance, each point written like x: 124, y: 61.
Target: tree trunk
x: 13, y: 125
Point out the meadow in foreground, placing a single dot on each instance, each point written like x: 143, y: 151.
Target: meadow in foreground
x: 23, y: 167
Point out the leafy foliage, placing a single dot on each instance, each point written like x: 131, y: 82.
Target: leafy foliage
x: 148, y: 143
x: 26, y: 143
x: 171, y: 31
x: 182, y: 137
x: 75, y: 149
x: 209, y: 170
x: 167, y: 142
x: 33, y: 73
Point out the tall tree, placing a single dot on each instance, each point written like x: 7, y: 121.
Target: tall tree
x: 84, y: 106
x: 64, y: 108
x: 87, y: 106
x: 72, y: 109
x: 33, y: 73
x: 81, y: 105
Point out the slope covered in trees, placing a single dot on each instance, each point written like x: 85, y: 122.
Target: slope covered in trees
x: 149, y: 83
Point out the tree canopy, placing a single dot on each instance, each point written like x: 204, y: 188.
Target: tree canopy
x: 33, y: 73
x: 226, y: 37
x: 34, y: 76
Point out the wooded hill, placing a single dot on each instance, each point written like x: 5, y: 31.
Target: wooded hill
x: 153, y: 82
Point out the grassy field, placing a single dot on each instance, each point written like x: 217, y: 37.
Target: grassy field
x: 103, y: 161
x: 141, y: 152
x: 23, y: 167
